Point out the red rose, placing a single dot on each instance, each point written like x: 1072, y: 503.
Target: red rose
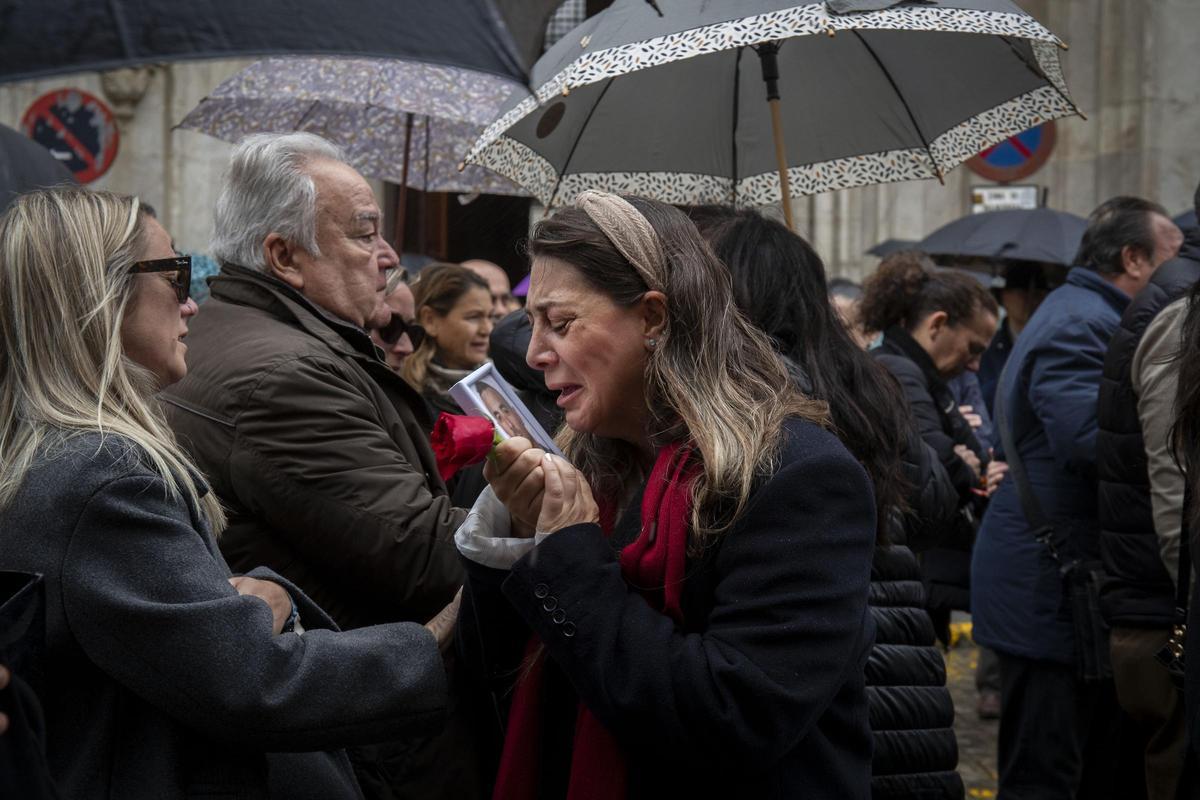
x: 460, y: 442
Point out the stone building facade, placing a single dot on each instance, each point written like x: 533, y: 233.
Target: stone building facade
x: 1133, y: 69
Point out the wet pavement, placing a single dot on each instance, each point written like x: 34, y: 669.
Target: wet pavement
x: 976, y: 737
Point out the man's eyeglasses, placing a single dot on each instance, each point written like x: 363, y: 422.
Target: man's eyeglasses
x: 181, y: 265
x: 390, y: 334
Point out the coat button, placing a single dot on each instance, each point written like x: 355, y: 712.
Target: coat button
x: 559, y: 617
x: 568, y: 630
x: 541, y: 590
x: 550, y: 603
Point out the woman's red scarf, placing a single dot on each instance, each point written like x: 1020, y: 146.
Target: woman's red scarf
x: 654, y: 564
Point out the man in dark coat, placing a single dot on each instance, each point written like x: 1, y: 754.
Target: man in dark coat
x: 314, y: 445
x: 1048, y: 395
x: 1139, y: 539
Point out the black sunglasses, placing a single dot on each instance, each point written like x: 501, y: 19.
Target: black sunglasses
x: 390, y: 334
x: 180, y: 264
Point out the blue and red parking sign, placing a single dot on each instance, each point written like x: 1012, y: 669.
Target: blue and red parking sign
x: 1017, y: 157
x: 77, y: 128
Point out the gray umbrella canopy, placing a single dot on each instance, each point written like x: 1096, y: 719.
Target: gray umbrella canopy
x: 26, y: 165
x: 1039, y: 234
x: 401, y: 121
x: 673, y: 106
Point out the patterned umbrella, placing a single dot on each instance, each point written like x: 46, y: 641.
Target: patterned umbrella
x: 400, y: 121
x: 664, y: 98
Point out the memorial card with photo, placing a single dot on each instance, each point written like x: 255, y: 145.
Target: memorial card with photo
x: 484, y: 393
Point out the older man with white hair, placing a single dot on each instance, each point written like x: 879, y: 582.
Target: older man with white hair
x: 313, y: 444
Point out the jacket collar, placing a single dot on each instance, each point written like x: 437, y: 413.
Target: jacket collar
x: 248, y: 287
x: 1086, y: 278
x: 900, y: 341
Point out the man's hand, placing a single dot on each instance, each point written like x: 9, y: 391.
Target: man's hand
x: 568, y: 498
x: 274, y: 595
x: 996, y: 471
x: 514, y: 471
x: 442, y: 626
x: 973, y: 419
x: 969, y: 457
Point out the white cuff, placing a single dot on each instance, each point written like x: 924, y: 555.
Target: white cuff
x: 484, y: 535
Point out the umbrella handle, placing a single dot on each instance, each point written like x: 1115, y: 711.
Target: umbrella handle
x: 768, y: 58
x: 785, y: 191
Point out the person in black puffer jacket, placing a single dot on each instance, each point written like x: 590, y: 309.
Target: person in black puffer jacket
x: 779, y: 283
x: 935, y: 324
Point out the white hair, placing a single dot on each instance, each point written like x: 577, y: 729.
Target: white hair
x: 267, y: 190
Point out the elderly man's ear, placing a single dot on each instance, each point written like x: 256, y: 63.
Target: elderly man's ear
x: 281, y: 257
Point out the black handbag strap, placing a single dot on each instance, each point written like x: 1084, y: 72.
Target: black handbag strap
x: 1060, y: 547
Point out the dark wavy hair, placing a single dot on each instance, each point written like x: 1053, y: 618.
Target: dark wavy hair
x: 908, y: 287
x: 1117, y: 223
x: 1185, y: 432
x: 779, y: 283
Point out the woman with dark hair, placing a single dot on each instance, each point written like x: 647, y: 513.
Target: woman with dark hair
x: 937, y: 323
x: 700, y: 628
x: 779, y: 283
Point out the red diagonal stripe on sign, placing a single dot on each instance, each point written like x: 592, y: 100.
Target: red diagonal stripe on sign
x: 1021, y: 148
x: 77, y: 146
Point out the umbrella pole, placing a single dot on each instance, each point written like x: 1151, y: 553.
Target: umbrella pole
x: 402, y: 205
x: 768, y: 56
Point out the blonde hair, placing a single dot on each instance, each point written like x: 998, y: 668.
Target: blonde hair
x: 65, y: 254
x: 713, y: 380
x: 438, y: 287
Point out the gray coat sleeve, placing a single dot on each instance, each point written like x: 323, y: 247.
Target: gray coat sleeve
x: 150, y: 604
x: 1155, y: 377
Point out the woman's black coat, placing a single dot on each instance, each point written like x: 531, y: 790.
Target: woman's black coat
x: 946, y: 568
x: 912, y: 713
x: 760, y: 694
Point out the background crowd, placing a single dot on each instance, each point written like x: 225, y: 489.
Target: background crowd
x: 776, y: 492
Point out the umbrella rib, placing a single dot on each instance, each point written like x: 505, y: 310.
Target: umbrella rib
x: 574, y: 145
x: 737, y: 88
x: 908, y: 109
x: 1041, y: 73
x: 122, y: 29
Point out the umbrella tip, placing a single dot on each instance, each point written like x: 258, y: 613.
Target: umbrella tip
x: 566, y: 90
x: 1063, y: 45
x: 1082, y: 115
x: 462, y: 165
x: 831, y: 32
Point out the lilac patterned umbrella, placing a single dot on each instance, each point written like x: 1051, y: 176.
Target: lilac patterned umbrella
x: 400, y: 121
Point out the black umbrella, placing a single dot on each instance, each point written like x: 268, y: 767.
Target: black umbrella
x: 1039, y: 234
x: 1187, y: 219
x: 501, y: 37
x: 889, y: 246
x: 25, y: 165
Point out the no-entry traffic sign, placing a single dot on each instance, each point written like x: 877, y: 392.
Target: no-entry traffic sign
x: 77, y: 128
x: 1017, y: 157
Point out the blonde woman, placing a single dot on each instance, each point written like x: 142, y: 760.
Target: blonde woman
x: 165, y: 676
x: 683, y: 613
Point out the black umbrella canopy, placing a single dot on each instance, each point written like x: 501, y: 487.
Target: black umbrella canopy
x: 40, y: 37
x: 26, y: 165
x: 1040, y: 234
x: 1187, y: 219
x: 889, y: 246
